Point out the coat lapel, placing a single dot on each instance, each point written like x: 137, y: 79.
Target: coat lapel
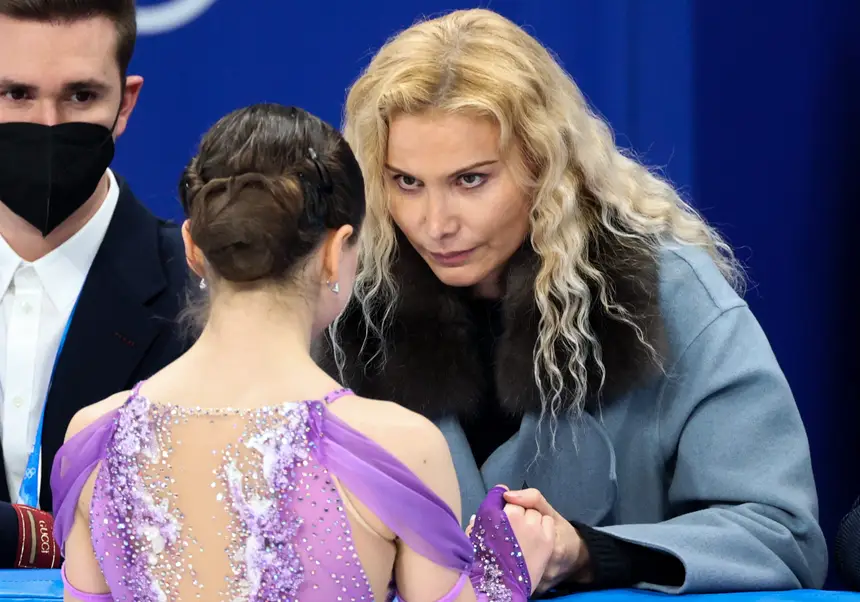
x: 112, y: 326
x: 472, y: 486
x: 4, y: 488
x: 575, y: 472
x: 507, y: 465
x: 584, y: 490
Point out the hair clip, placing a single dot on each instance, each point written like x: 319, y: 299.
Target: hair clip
x: 325, y: 184
x: 184, y: 191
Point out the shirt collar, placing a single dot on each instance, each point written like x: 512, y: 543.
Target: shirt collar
x: 63, y: 270
x: 9, y: 262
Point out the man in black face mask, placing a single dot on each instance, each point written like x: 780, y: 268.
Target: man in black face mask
x: 90, y: 280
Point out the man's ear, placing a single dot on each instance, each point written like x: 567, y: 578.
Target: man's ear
x: 130, y: 94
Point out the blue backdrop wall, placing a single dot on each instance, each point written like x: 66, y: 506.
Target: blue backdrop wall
x: 750, y: 108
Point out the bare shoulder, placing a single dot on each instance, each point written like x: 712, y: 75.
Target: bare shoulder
x: 409, y: 437
x: 407, y: 434
x: 89, y: 414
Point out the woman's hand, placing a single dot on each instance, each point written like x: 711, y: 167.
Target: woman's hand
x: 568, y: 557
x: 535, y: 534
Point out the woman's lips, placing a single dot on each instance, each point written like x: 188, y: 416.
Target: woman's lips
x: 452, y: 259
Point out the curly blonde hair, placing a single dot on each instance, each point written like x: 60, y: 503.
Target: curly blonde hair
x: 582, y: 185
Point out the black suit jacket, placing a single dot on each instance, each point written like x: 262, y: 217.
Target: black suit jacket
x: 847, y: 548
x: 124, y: 330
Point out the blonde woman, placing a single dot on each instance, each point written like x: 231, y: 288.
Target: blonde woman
x: 572, y: 326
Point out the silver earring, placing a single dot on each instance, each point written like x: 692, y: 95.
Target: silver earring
x: 335, y: 288
x: 203, y: 284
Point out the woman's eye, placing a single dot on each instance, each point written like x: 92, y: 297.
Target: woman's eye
x: 407, y: 182
x: 472, y: 180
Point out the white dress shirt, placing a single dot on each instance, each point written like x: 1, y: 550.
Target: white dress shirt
x: 36, y: 302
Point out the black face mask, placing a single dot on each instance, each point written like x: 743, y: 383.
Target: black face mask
x: 48, y: 172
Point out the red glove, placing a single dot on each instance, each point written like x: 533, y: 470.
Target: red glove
x: 36, y: 546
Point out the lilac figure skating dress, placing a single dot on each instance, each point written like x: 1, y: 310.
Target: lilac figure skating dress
x: 267, y: 495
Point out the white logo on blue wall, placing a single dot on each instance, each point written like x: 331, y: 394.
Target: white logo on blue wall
x: 169, y: 15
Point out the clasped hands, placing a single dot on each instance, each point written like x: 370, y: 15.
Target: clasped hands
x: 552, y: 547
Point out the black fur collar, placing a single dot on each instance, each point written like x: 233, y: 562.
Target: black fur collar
x: 432, y: 362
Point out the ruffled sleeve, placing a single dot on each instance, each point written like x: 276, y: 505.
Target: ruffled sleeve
x: 73, y: 465
x: 491, y: 557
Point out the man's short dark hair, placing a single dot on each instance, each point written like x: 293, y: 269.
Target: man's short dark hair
x: 121, y: 12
